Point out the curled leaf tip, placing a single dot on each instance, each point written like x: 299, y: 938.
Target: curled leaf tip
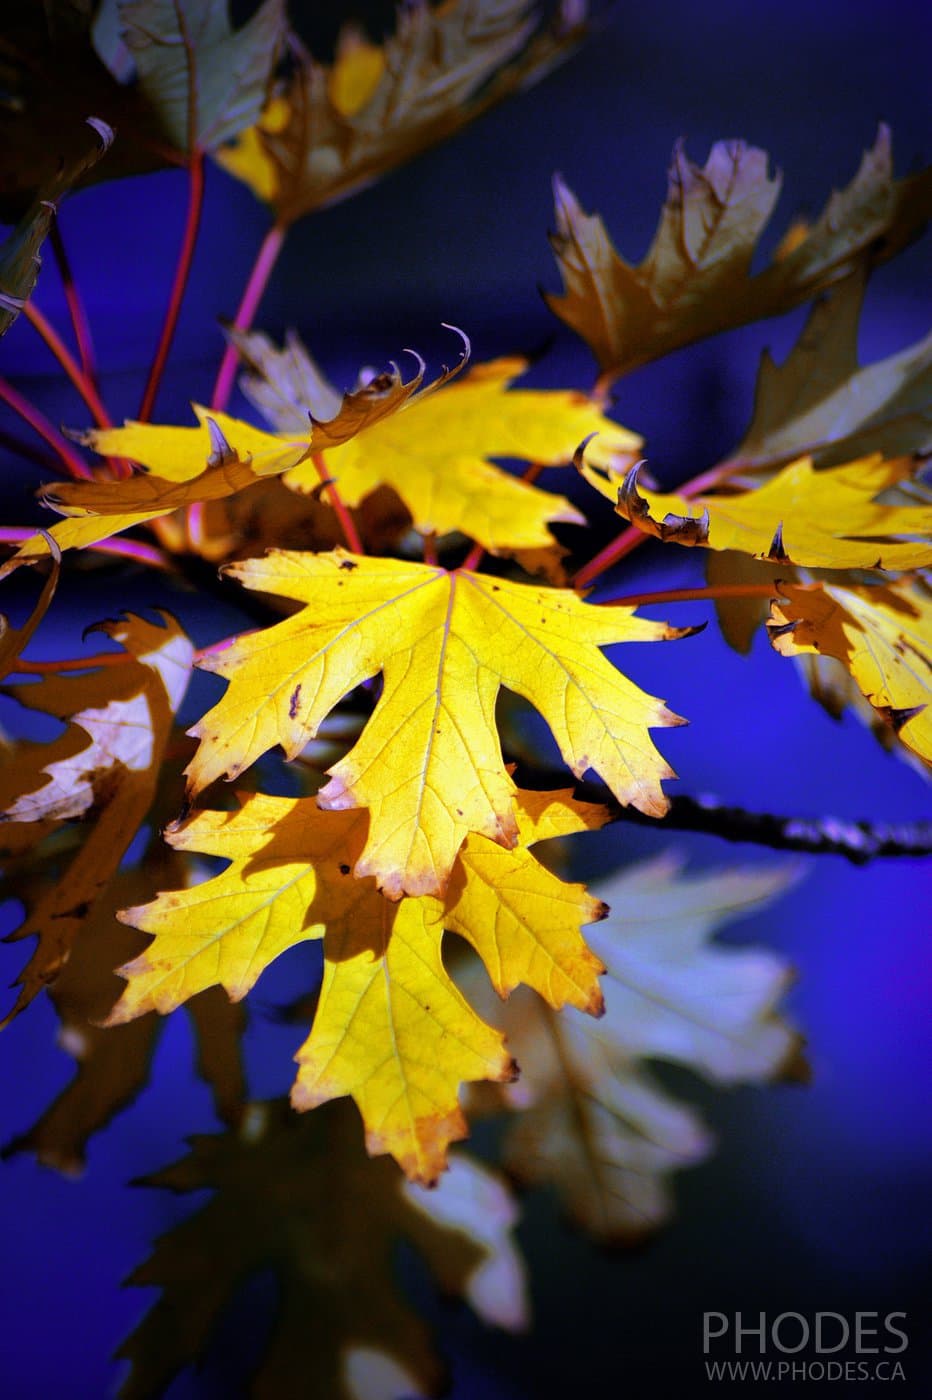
x: 220, y: 450
x: 777, y: 554
x: 104, y: 130
x: 579, y: 456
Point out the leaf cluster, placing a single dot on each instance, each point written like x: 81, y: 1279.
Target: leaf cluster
x: 409, y: 572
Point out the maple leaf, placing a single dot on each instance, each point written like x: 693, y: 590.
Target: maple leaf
x: 236, y: 455
x: 113, y: 1064
x: 290, y: 1193
x: 20, y: 253
x: 433, y: 448
x: 828, y: 519
x: 334, y: 130
x: 445, y: 643
x: 12, y: 640
x: 204, y: 81
x: 881, y: 634
x: 820, y: 402
x: 696, y: 278
x: 104, y: 766
x: 390, y: 1027
x: 292, y: 392
x: 593, y: 1121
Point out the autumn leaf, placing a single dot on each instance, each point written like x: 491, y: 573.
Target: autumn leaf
x: 291, y: 391
x: 444, y: 643
x: 183, y: 466
x: 333, y: 130
x: 593, y: 1121
x: 828, y: 519
x: 20, y: 253
x: 204, y: 81
x: 696, y: 279
x: 433, y: 448
x: 112, y: 1065
x: 13, y: 640
x: 822, y: 403
x: 390, y: 1027
x: 289, y: 1193
x: 881, y: 634
x: 103, y: 768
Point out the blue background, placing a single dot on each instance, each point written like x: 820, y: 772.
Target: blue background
x: 818, y: 1198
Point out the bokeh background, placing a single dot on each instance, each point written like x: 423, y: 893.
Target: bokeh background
x: 818, y: 1197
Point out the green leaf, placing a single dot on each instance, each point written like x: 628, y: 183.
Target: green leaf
x: 205, y: 80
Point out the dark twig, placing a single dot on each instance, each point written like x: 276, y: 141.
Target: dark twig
x: 858, y: 841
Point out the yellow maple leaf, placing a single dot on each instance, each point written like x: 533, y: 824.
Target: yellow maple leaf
x: 435, y: 456
x: 881, y: 634
x: 445, y: 643
x: 184, y: 466
x: 105, y: 765
x: 829, y: 519
x: 391, y: 1029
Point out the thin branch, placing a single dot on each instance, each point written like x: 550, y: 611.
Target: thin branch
x: 857, y: 841
x: 73, y: 464
x: 347, y: 523
x: 253, y: 292
x: 134, y: 550
x: 82, y: 329
x: 68, y: 363
x: 77, y: 663
x: 476, y: 555
x: 632, y: 538
x: 179, y: 283
x: 21, y: 448
x: 695, y: 595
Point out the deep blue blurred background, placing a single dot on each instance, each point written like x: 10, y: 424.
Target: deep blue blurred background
x: 818, y: 1198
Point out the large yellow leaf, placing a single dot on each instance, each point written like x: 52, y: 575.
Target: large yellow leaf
x: 183, y: 466
x: 830, y: 519
x: 882, y: 635
x: 297, y: 1197
x: 429, y: 765
x: 104, y: 767
x: 696, y: 278
x: 390, y: 1029
x: 593, y: 1121
x: 332, y: 131
x: 435, y: 456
